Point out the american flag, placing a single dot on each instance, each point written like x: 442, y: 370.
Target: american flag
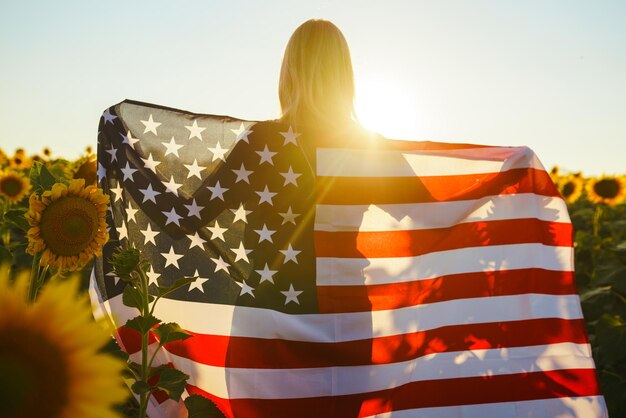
x: 365, y: 277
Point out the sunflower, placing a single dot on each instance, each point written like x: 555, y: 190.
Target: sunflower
x: 84, y: 168
x: 13, y: 186
x: 20, y: 160
x: 50, y: 359
x: 68, y: 224
x: 571, y: 187
x: 607, y: 189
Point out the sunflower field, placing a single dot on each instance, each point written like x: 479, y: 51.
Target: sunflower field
x: 52, y: 223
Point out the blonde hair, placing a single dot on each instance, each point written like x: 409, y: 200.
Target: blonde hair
x: 316, y: 86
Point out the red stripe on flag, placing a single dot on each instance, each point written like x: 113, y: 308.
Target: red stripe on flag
x: 260, y: 353
x: 422, y: 394
x: 343, y: 299
x: 376, y: 244
x: 397, y: 190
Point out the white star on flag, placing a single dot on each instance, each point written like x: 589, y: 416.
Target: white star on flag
x: 194, y: 169
x: 152, y: 277
x: 172, y: 147
x: 241, y: 214
x: 218, y: 152
x: 172, y: 186
x: 102, y: 172
x: 149, y: 194
x: 108, y: 117
x: 151, y: 125
x: 128, y: 139
x: 150, y: 163
x: 290, y: 177
x: 241, y: 253
x: 196, y: 241
x: 242, y: 133
x: 118, y: 193
x: 149, y: 234
x: 113, y: 153
x: 194, y: 209
x: 217, y: 191
x: 289, y: 216
x: 217, y: 231
x: 290, y: 254
x: 171, y: 258
x: 265, y: 234
x: 266, y: 156
x: 130, y: 213
x: 128, y: 172
x: 172, y: 217
x: 220, y: 264
x: 242, y: 174
x: 198, y: 283
x: 266, y: 274
x: 291, y: 295
x: 290, y: 136
x: 245, y: 288
x: 122, y: 232
x: 266, y: 196
x: 195, y: 131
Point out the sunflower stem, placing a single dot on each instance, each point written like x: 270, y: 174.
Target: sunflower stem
x: 145, y: 367
x: 34, y: 278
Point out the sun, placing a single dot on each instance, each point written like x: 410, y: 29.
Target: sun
x: 387, y: 107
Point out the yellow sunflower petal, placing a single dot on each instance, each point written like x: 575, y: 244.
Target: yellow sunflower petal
x: 53, y: 349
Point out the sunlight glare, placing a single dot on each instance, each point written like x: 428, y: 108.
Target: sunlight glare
x: 385, y: 107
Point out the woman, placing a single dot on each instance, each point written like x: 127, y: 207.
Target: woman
x: 316, y: 86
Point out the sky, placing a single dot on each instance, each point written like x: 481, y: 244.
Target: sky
x: 550, y: 75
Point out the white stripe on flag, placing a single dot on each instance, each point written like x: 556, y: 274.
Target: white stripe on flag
x: 347, y: 162
x: 401, y: 217
x: 580, y: 407
x: 237, y: 383
x: 386, y: 270
x: 241, y: 321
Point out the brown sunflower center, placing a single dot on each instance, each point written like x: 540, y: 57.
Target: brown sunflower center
x: 11, y: 186
x: 68, y: 225
x: 568, y: 189
x: 35, y: 378
x: 607, y: 188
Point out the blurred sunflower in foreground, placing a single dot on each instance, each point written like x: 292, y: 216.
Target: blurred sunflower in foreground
x: 50, y: 360
x: 607, y: 189
x: 67, y: 224
x: 570, y: 187
x: 13, y: 186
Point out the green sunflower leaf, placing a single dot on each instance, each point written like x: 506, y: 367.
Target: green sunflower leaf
x: 16, y: 217
x: 164, y: 290
x: 172, y: 381
x: 46, y: 178
x: 200, y: 407
x: 140, y: 387
x: 132, y: 298
x: 169, y: 332
x: 142, y: 324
